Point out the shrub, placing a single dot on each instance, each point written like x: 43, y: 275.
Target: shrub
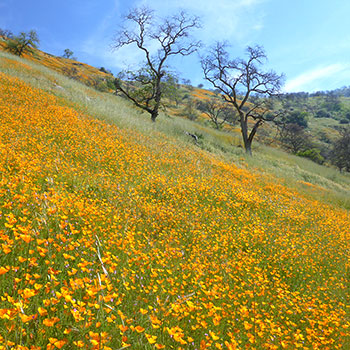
x: 322, y: 114
x: 313, y: 154
x: 104, y: 70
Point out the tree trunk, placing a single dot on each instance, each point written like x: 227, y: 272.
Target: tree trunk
x: 248, y: 148
x: 244, y: 131
x: 154, y: 115
x: 155, y: 111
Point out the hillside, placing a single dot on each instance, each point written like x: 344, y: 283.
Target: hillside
x: 327, y: 112
x: 82, y: 72
x: 118, y: 233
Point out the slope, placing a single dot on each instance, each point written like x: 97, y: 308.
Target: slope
x: 111, y: 238
x: 86, y: 74
x: 315, y: 181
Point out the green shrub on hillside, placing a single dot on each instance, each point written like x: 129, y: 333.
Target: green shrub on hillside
x: 313, y: 154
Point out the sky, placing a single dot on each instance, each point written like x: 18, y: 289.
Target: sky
x: 306, y: 40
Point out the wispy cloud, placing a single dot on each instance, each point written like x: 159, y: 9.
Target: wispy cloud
x: 99, y: 43
x: 312, y: 79
x: 221, y: 20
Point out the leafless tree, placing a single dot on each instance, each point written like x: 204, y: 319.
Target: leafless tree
x: 340, y: 154
x: 171, y: 37
x: 6, y: 34
x: 244, y: 85
x: 218, y: 112
x: 294, y: 138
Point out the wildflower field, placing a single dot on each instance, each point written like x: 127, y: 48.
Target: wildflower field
x: 110, y: 239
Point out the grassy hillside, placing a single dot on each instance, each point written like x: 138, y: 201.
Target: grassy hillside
x: 317, y: 182
x: 118, y: 233
x: 82, y: 72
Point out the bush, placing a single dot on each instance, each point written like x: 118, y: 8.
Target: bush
x: 104, y: 70
x: 313, y: 154
x: 322, y: 114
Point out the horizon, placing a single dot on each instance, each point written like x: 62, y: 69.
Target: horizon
x: 308, y: 42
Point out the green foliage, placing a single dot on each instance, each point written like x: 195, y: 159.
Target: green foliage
x: 189, y: 110
x: 218, y: 112
x: 104, y: 70
x: 69, y: 54
x: 332, y: 102
x: 295, y: 117
x: 24, y: 42
x: 313, y: 154
x: 170, y: 88
x: 141, y: 86
x: 104, y: 84
x: 322, y: 113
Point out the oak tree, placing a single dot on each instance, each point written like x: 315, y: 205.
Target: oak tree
x: 217, y: 112
x: 5, y: 34
x: 24, y: 42
x: 69, y: 54
x: 340, y: 154
x: 244, y: 85
x: 170, y: 36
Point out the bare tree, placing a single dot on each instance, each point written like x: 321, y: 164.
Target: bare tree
x: 170, y: 36
x: 244, y: 85
x: 5, y: 34
x: 294, y: 138
x: 218, y: 112
x: 340, y: 154
x: 291, y: 126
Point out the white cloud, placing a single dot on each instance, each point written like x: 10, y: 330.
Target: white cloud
x: 229, y: 20
x: 312, y: 80
x: 221, y: 19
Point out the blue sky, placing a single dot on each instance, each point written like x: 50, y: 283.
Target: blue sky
x: 307, y: 40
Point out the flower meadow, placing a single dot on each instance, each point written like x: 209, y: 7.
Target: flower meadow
x: 111, y: 239
x: 83, y: 72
